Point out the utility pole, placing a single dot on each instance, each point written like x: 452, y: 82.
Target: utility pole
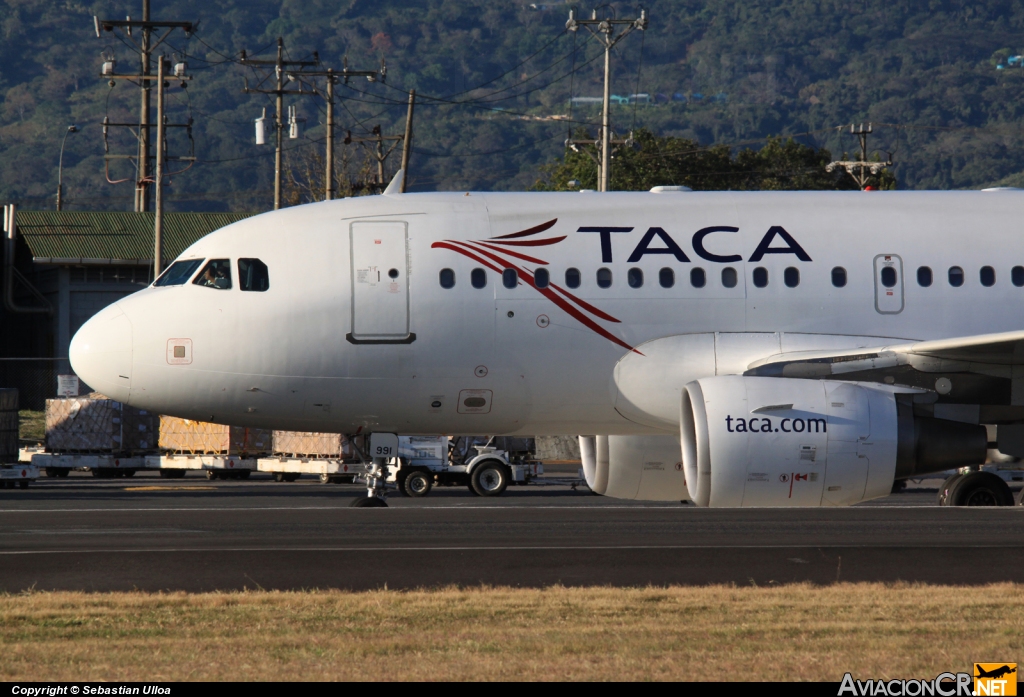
x: 377, y: 152
x: 333, y: 76
x: 145, y: 47
x: 861, y: 169
x: 141, y: 195
x: 407, y: 141
x: 158, y: 223
x: 605, y: 33
x: 280, y: 66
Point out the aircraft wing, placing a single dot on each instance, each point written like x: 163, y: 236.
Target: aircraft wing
x: 976, y: 369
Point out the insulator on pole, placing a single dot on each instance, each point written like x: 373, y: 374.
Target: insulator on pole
x: 294, y: 123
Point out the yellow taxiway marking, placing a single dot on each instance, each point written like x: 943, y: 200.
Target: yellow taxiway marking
x: 170, y: 488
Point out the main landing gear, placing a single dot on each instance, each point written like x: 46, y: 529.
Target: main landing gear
x: 975, y: 489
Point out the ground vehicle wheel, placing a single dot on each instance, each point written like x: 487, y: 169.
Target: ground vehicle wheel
x: 63, y: 471
x: 243, y: 474
x: 417, y: 483
x: 212, y: 474
x: 980, y: 489
x: 23, y: 483
x: 127, y: 473
x: 325, y: 478
x: 489, y: 478
x: 278, y: 476
x: 368, y: 502
x: 944, y: 490
x: 51, y: 472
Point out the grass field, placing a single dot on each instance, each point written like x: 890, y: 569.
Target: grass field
x: 31, y: 424
x: 797, y: 632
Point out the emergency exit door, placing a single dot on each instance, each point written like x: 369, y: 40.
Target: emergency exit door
x: 380, y: 283
x: 888, y: 284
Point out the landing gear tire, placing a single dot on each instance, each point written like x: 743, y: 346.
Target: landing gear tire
x: 489, y: 479
x: 979, y: 489
x: 417, y: 484
x: 946, y: 487
x: 368, y: 502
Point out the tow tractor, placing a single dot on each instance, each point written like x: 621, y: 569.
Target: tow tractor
x: 486, y: 465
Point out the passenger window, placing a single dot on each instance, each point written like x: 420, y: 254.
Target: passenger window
x: 178, y: 273
x: 253, y: 275
x: 216, y: 274
x: 729, y: 277
x: 604, y: 278
x: 791, y: 277
x: 839, y: 277
x: 667, y: 277
x: 698, y: 278
x: 760, y: 277
x: 888, y: 277
x: 988, y: 276
x: 541, y: 278
x: 447, y: 278
x: 478, y: 278
x: 1017, y: 276
x: 635, y: 278
x: 573, y: 278
x: 924, y: 276
x: 956, y: 276
x: 509, y: 278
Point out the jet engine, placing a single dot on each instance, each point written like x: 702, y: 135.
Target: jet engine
x: 648, y: 468
x: 753, y: 441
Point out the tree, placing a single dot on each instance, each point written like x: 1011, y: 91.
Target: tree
x: 657, y: 161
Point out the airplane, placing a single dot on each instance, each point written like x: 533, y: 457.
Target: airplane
x: 994, y: 673
x: 733, y: 349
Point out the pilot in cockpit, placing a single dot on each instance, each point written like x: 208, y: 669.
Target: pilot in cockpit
x: 217, y: 274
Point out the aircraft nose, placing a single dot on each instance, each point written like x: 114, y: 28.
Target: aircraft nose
x: 101, y: 353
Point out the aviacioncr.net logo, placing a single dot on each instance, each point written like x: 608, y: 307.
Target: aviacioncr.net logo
x: 943, y: 685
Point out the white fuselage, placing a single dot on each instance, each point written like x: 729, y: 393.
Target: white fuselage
x: 336, y: 345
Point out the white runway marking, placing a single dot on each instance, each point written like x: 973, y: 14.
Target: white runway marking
x: 491, y: 548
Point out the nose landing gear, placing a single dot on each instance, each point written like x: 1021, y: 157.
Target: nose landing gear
x: 376, y: 486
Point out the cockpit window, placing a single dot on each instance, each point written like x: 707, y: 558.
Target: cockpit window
x: 178, y: 273
x: 253, y: 275
x: 216, y: 274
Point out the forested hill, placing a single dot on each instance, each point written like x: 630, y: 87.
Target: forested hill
x: 491, y: 75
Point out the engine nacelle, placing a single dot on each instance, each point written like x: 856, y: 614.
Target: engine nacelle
x: 648, y: 468
x: 751, y: 441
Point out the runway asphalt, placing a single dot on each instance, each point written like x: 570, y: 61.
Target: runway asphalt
x: 154, y: 534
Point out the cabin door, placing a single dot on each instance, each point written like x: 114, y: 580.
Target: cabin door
x: 380, y: 283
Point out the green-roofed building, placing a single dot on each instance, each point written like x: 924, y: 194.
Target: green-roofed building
x: 79, y: 262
